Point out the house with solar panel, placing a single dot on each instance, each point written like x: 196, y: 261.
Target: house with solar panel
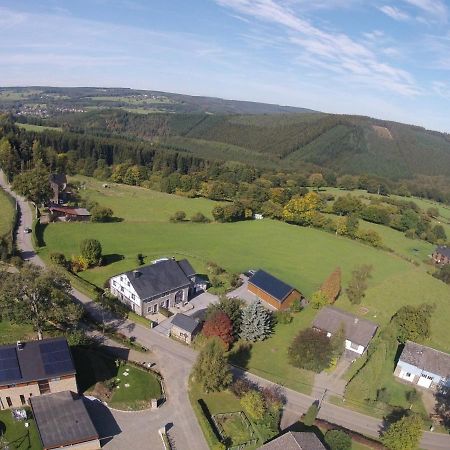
x: 272, y: 291
x: 166, y: 283
x: 30, y: 369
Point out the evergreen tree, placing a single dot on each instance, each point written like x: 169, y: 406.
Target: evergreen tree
x: 256, y: 322
x: 211, y: 369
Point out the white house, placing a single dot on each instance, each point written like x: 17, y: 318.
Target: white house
x: 163, y: 284
x: 358, y: 332
x: 423, y: 366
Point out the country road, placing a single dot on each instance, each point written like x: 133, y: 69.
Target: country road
x: 176, y: 361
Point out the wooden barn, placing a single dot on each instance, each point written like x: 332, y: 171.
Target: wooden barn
x: 273, y: 291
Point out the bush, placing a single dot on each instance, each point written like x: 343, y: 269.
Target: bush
x: 58, y: 258
x: 338, y: 440
x: 91, y: 251
x: 310, y: 416
x: 283, y: 317
x: 101, y: 214
x: 241, y: 386
x: 319, y: 299
x: 140, y: 259
x: 179, y: 216
x: 78, y: 264
x: 254, y: 405
x: 331, y: 287
x: 165, y: 312
x: 199, y: 218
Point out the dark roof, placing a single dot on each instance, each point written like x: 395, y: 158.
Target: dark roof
x: 184, y: 322
x: 443, y: 250
x: 357, y: 330
x: 276, y: 288
x: 36, y: 360
x: 426, y: 358
x: 58, y: 178
x: 69, y: 210
x: 62, y: 419
x: 186, y: 268
x: 159, y: 278
x: 295, y: 441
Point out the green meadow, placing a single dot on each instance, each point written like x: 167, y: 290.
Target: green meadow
x: 300, y: 256
x: 6, y: 213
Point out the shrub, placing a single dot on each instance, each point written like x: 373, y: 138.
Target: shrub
x: 165, y: 312
x: 331, y: 287
x: 91, y: 251
x: 310, y: 416
x: 241, y: 386
x: 58, y: 258
x: 140, y: 259
x: 318, y: 300
x: 78, y: 264
x: 199, y: 218
x: 283, y: 317
x: 179, y: 216
x: 338, y: 440
x: 101, y: 214
x: 219, y: 325
x: 254, y: 405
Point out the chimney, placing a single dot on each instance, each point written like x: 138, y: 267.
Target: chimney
x: 20, y: 345
x: 136, y: 273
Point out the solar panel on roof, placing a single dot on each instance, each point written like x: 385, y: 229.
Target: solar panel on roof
x: 56, y: 357
x: 9, y: 365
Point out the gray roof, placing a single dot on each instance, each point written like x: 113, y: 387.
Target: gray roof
x: 443, y: 250
x: 271, y: 285
x: 426, y: 358
x: 184, y: 322
x: 357, y: 330
x: 159, y: 278
x: 62, y: 419
x: 35, y: 360
x: 186, y: 267
x: 295, y: 441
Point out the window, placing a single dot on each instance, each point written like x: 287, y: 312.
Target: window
x: 56, y: 379
x: 121, y: 289
x: 22, y: 400
x: 408, y: 374
x: 178, y: 296
x: 128, y: 283
x: 114, y: 283
x: 121, y: 278
x: 8, y: 400
x: 133, y: 296
x: 429, y: 377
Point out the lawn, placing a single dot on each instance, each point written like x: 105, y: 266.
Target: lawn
x: 11, y: 333
x: 98, y: 374
x: 268, y: 358
x: 7, y: 213
x: 16, y: 435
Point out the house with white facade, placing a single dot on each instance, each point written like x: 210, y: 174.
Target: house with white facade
x: 423, y: 366
x: 358, y: 332
x: 166, y: 283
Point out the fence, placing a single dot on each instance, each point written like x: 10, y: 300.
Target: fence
x: 216, y: 419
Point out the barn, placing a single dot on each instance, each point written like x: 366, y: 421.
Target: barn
x: 273, y: 291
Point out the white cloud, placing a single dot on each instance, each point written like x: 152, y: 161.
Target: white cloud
x: 435, y: 8
x: 441, y: 88
x: 394, y: 13
x: 333, y: 51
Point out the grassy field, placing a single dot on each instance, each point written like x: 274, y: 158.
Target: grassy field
x: 303, y: 257
x: 16, y: 435
x: 274, y: 350
x: 11, y: 333
x: 37, y: 128
x: 7, y: 212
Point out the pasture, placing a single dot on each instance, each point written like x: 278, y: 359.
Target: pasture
x: 303, y: 257
x: 6, y: 213
x: 37, y: 128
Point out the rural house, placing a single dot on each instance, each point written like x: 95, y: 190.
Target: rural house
x: 63, y: 422
x: 184, y: 327
x: 58, y: 184
x: 358, y: 332
x: 423, y: 366
x: 441, y: 255
x: 295, y: 441
x: 166, y: 283
x: 30, y: 369
x: 272, y: 291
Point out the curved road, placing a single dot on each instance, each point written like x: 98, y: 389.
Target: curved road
x: 175, y: 363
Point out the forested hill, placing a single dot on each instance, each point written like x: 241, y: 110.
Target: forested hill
x: 345, y: 144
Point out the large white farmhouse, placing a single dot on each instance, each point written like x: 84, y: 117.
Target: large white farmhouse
x: 165, y: 283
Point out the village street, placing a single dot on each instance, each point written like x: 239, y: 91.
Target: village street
x: 175, y: 362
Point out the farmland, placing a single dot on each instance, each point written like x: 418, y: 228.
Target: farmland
x: 302, y: 257
x: 37, y: 128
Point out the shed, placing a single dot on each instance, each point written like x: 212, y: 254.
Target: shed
x: 184, y: 327
x: 272, y: 291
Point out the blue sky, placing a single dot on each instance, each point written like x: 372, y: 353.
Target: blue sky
x: 387, y: 59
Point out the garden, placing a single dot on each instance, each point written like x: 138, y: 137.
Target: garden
x: 14, y: 434
x: 120, y: 384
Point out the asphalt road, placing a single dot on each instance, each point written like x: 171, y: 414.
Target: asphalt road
x: 176, y: 361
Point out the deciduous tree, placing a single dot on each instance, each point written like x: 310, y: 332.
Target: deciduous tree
x: 211, y: 369
x: 301, y: 210
x: 34, y: 184
x: 404, y: 434
x: 91, y: 251
x: 413, y: 322
x: 253, y: 404
x: 219, y: 325
x: 331, y: 287
x: 356, y: 289
x: 319, y: 300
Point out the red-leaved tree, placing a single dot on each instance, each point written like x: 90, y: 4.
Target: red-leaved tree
x: 220, y: 325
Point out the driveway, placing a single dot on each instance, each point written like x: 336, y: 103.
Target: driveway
x: 242, y: 292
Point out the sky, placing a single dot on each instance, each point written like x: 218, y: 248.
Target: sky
x: 385, y: 59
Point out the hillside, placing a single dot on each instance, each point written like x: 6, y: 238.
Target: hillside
x: 346, y: 144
